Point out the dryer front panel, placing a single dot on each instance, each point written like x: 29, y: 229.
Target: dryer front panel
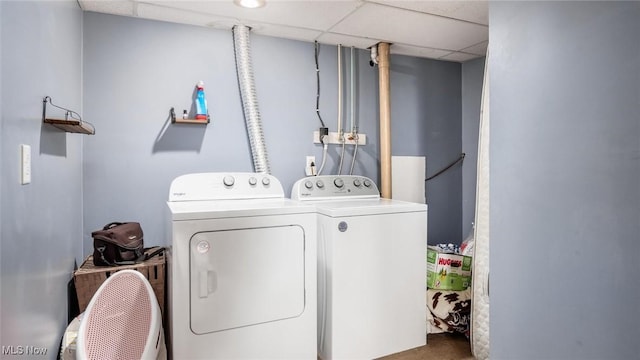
x: 245, y: 277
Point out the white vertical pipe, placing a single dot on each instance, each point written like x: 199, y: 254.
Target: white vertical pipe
x: 340, y: 126
x: 340, y: 130
x: 354, y: 126
x: 352, y: 115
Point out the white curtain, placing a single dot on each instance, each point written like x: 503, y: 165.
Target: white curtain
x: 480, y: 290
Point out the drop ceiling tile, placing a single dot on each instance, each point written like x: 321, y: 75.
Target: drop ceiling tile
x: 411, y: 28
x: 115, y: 7
x: 478, y: 49
x: 416, y: 51
x: 286, y: 32
x: 318, y: 15
x: 459, y: 57
x: 149, y: 11
x: 346, y: 40
x: 476, y: 11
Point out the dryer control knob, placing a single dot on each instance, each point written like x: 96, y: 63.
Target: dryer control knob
x: 308, y: 184
x: 320, y: 184
x: 266, y: 181
x: 228, y: 180
x: 357, y: 183
x: 253, y: 181
x: 367, y: 183
x: 339, y: 183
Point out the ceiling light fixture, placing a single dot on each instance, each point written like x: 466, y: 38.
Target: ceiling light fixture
x: 250, y: 4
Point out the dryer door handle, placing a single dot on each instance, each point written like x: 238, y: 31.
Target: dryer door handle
x: 208, y: 281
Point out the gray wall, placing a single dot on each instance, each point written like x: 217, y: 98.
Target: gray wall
x: 426, y: 121
x: 565, y: 180
x: 41, y: 229
x: 135, y: 70
x: 472, y: 78
x: 1, y: 126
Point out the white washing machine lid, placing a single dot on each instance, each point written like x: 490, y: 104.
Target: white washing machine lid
x: 341, y: 208
x: 217, y: 209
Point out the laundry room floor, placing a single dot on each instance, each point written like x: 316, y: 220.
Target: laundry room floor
x: 439, y: 347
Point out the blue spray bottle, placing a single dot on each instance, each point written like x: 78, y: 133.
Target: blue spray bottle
x: 201, y: 102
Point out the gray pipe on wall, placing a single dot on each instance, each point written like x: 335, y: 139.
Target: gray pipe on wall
x: 246, y: 83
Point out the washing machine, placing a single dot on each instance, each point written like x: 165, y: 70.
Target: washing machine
x: 241, y: 269
x: 371, y: 268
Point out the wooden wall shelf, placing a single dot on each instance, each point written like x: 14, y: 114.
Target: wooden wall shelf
x: 70, y: 123
x: 71, y: 126
x: 177, y: 120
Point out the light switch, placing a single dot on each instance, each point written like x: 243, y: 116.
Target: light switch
x: 25, y: 157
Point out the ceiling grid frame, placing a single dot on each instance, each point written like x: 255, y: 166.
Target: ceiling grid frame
x: 461, y: 26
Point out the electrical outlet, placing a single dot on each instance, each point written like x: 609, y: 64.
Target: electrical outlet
x: 310, y: 167
x: 25, y: 164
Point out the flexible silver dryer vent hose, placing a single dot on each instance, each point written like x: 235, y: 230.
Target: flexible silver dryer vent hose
x: 244, y: 71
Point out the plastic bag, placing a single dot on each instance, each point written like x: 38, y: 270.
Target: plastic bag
x: 466, y: 248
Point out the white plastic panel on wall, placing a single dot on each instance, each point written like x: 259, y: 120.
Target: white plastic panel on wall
x: 407, y: 178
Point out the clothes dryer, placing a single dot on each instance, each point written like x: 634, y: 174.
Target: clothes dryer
x: 242, y: 269
x: 371, y: 268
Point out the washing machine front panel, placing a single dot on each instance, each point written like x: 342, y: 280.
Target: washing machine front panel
x: 373, y: 297
x: 259, y: 270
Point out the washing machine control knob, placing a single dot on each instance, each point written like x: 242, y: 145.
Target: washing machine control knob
x: 228, y: 180
x: 320, y: 184
x: 339, y: 183
x: 367, y: 183
x: 357, y: 183
x: 253, y: 181
x: 266, y: 181
x: 308, y: 184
